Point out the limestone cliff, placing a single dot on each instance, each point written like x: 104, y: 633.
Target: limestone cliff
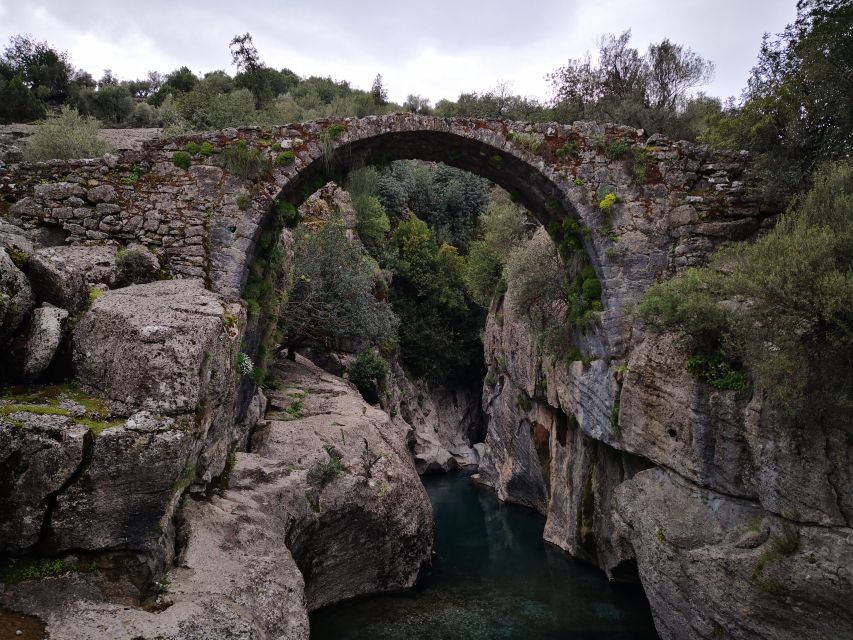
x: 736, y: 526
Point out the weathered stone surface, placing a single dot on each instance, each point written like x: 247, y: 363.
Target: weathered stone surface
x: 136, y: 265
x: 370, y: 528
x: 62, y: 276
x: 16, y: 297
x: 702, y: 582
x: 134, y: 474
x: 46, y: 332
x: 39, y: 454
x: 166, y: 347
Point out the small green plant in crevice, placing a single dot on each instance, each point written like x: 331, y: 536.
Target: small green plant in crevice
x: 38, y: 569
x: 244, y: 201
x: 287, y: 213
x: 522, y: 401
x: 569, y: 150
x: 193, y: 148
x: 716, y: 371
x: 244, y: 364
x: 641, y: 161
x: 617, y: 149
x: 788, y: 542
x: 491, y: 379
x: 335, y: 131
x: 285, y: 158
x: 134, y: 176
x: 181, y: 159
x: 578, y: 182
x: 369, y: 459
x: 243, y: 161
x: 614, y: 419
x: 528, y: 141
x: 206, y: 149
x: 607, y: 202
x: 186, y: 478
x: 19, y: 258
x: 294, y: 411
x: 94, y: 294
x: 326, y: 471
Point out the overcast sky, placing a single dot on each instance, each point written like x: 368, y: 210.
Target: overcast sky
x: 435, y: 48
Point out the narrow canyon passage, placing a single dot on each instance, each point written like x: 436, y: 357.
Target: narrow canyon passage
x: 492, y: 577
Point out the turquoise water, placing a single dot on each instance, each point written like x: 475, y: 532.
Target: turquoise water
x: 492, y: 578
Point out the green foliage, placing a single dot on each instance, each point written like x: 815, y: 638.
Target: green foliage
x: 483, y: 272
x: 798, y: 107
x: 181, y: 159
x: 45, y: 71
x: 335, y: 131
x: 205, y: 149
x: 325, y: 472
x: 48, y: 400
x: 569, y: 150
x: 17, y: 102
x: 287, y: 213
x: 67, y: 137
x: 192, y: 148
x: 795, y: 328
x: 528, y: 141
x: 439, y: 324
x: 244, y: 201
x: 332, y: 298
x: 717, y: 372
x: 37, y: 569
x: 243, y: 161
x: 371, y: 223
x: 285, y: 158
x: 607, y: 202
x: 614, y: 419
x: 617, y: 149
x: 367, y: 372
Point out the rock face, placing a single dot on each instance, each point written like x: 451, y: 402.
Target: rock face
x: 445, y: 423
x: 16, y: 297
x: 62, y: 276
x: 326, y: 506
x: 736, y: 526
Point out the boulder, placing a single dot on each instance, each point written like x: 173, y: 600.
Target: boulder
x: 46, y: 333
x: 168, y: 347
x: 39, y: 455
x: 136, y: 265
x: 62, y: 276
x: 128, y: 489
x: 16, y: 297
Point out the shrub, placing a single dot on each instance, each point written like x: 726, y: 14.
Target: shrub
x: 67, y: 137
x: 371, y: 223
x: 17, y: 102
x: 367, y: 372
x: 243, y: 161
x: 529, y: 141
x: 284, y: 158
x: 181, y: 159
x: 244, y: 201
x: 483, y: 272
x: 336, y: 130
x: 192, y: 148
x: 324, y: 472
x: 717, y: 372
x: 288, y: 213
x: 617, y: 149
x: 205, y: 149
x: 568, y: 150
x: 244, y: 364
x: 607, y: 202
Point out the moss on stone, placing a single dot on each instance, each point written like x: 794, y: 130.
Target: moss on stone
x: 47, y: 400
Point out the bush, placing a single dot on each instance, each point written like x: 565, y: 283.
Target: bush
x: 483, y: 273
x: 205, y: 149
x: 717, y: 372
x: 617, y: 149
x: 244, y: 201
x: 371, y: 223
x: 324, y: 472
x: 368, y: 372
x: 607, y: 202
x: 284, y: 158
x: 67, y: 137
x: 288, y: 213
x: 181, y: 159
x: 243, y: 161
x: 192, y: 148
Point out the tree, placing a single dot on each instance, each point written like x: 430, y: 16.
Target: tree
x: 643, y: 90
x: 378, y: 91
x: 245, y: 57
x: 797, y: 111
x: 417, y: 104
x: 332, y: 299
x: 17, y: 102
x: 45, y: 71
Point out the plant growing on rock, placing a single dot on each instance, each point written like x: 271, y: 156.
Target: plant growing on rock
x: 243, y: 161
x: 368, y: 373
x: 244, y: 364
x: 325, y: 471
x: 181, y: 159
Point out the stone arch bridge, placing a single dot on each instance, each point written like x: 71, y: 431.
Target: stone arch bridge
x: 676, y: 201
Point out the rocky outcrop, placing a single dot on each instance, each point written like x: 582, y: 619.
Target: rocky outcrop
x: 445, y: 423
x: 46, y: 332
x: 325, y: 506
x: 62, y: 276
x: 16, y: 297
x: 717, y: 566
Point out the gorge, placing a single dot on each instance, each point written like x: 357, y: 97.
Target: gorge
x: 166, y: 495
